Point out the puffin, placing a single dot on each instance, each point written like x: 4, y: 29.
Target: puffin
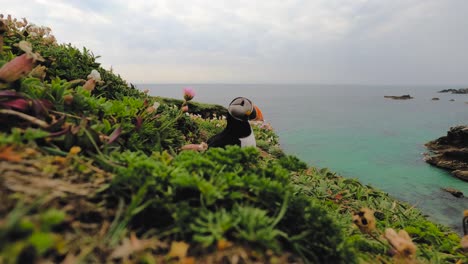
x: 238, y: 130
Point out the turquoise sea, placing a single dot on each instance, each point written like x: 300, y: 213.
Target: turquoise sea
x: 355, y: 131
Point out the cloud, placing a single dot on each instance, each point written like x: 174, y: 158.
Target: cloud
x: 335, y: 41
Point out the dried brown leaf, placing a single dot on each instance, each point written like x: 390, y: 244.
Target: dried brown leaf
x: 223, y: 244
x: 133, y: 245
x: 7, y: 153
x: 178, y: 249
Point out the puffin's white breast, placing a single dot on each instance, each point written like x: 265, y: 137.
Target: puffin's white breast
x: 248, y: 141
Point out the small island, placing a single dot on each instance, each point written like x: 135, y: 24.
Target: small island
x: 451, y: 152
x: 402, y: 97
x: 455, y: 91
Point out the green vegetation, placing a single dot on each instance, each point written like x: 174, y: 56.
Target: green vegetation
x: 96, y: 175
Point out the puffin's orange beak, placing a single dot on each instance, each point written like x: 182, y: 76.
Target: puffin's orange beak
x: 259, y: 116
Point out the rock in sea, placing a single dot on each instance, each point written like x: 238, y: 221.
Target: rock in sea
x: 402, y: 97
x: 454, y: 192
x: 451, y: 152
x: 455, y: 91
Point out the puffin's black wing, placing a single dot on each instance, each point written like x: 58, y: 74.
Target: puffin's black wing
x: 231, y: 135
x: 235, y: 129
x: 222, y: 140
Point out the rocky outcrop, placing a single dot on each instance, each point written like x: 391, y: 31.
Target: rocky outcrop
x: 454, y: 192
x: 402, y: 97
x: 451, y: 152
x: 455, y: 91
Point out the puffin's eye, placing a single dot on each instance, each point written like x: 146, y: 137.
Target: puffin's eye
x: 242, y: 103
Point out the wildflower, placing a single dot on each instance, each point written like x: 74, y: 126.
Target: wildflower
x: 156, y: 105
x: 68, y: 99
x: 16, y: 68
x: 89, y: 85
x: 95, y: 75
x: 185, y: 108
x: 49, y: 40
x: 189, y: 93
x: 93, y: 78
x: 401, y: 242
x: 20, y: 104
x: 364, y: 219
x: 27, y: 48
x: 21, y: 65
x: 266, y: 126
x: 153, y: 108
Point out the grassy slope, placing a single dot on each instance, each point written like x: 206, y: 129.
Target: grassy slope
x: 128, y: 192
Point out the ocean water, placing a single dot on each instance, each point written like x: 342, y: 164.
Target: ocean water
x: 356, y: 132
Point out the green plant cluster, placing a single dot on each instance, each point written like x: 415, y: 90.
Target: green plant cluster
x: 226, y: 194
x: 343, y: 196
x: 89, y: 120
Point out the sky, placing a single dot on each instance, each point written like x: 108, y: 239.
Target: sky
x: 406, y: 42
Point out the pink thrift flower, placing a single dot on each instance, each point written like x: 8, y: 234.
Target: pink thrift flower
x: 16, y: 68
x: 189, y: 93
x: 21, y: 65
x: 185, y: 108
x: 20, y: 104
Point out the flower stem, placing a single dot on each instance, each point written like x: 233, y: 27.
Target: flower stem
x: 26, y: 117
x: 377, y: 239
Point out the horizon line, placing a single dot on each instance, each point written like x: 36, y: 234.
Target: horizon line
x: 295, y: 83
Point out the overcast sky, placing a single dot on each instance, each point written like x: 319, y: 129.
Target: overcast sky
x: 250, y: 41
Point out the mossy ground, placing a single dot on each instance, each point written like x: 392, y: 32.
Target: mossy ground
x: 98, y: 176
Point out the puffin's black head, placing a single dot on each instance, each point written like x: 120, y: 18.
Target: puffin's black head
x: 243, y: 109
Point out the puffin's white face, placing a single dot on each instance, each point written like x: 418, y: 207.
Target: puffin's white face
x: 241, y: 108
